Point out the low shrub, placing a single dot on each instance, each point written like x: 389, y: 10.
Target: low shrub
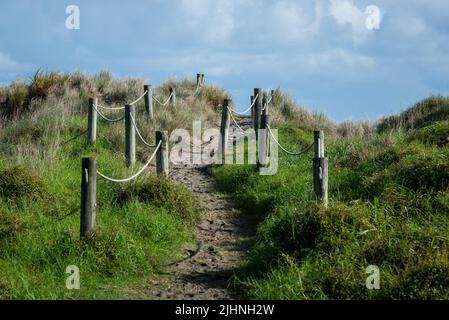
x: 160, y: 192
x: 20, y: 181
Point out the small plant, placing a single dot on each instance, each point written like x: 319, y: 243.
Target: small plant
x: 160, y: 192
x: 20, y: 181
x: 10, y: 225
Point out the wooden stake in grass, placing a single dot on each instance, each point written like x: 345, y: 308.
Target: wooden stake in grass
x: 257, y: 108
x: 130, y: 135
x: 320, y: 169
x: 198, y: 80
x: 162, y: 154
x: 224, y: 128
x: 92, y: 121
x: 263, y: 134
x: 148, y: 101
x: 88, y: 196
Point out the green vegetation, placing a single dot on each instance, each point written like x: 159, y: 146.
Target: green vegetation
x: 389, y: 207
x: 140, y: 225
x: 389, y: 198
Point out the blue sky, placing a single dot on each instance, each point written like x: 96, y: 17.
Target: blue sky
x: 321, y: 52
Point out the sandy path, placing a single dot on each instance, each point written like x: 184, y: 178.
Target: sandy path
x: 221, y: 234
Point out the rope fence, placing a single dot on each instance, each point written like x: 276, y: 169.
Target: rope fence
x: 166, y: 101
x: 299, y: 153
x: 242, y: 114
x: 260, y: 123
x: 105, y: 117
x: 138, y: 173
x: 139, y: 134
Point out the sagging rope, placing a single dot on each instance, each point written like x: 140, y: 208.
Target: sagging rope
x: 137, y: 173
x: 233, y: 119
x: 242, y: 114
x: 165, y: 103
x: 121, y: 108
x: 289, y: 152
x: 110, y: 108
x: 106, y: 118
x: 267, y: 103
x: 138, y: 99
x: 138, y: 132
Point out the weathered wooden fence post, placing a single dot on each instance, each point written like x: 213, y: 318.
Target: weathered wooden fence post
x: 257, y: 108
x: 198, y: 80
x: 172, y: 96
x: 92, y: 120
x: 88, y: 197
x: 263, y: 134
x: 162, y: 154
x: 203, y: 79
x: 224, y: 128
x: 320, y: 168
x: 148, y: 101
x: 130, y: 135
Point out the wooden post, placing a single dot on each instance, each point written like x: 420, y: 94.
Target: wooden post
x: 263, y: 134
x: 203, y: 79
x: 173, y: 96
x: 198, y: 80
x: 162, y: 154
x: 224, y: 128
x: 148, y: 101
x: 130, y: 135
x: 257, y: 107
x: 88, y: 197
x: 320, y: 169
x: 92, y: 120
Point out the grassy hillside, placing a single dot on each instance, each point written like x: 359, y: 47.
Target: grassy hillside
x: 389, y: 198
x: 139, y: 225
x: 389, y: 207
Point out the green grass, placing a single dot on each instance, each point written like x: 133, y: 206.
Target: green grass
x: 389, y: 207
x: 39, y: 230
x: 141, y: 225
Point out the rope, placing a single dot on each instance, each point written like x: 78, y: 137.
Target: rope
x: 289, y: 152
x: 109, y: 108
x: 163, y: 104
x: 137, y: 173
x: 106, y: 118
x: 121, y: 108
x: 138, y: 133
x: 138, y: 99
x: 233, y: 119
x: 250, y: 107
x: 198, y: 87
x: 267, y: 103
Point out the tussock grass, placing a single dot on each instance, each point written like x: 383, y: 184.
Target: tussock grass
x: 389, y: 196
x: 434, y: 108
x: 140, y: 225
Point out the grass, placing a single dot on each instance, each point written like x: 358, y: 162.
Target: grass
x: 389, y: 198
x: 140, y: 225
x: 389, y: 205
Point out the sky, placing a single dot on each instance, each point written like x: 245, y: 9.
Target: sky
x: 349, y: 59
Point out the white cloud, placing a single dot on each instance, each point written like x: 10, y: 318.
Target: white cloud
x: 294, y: 21
x: 346, y: 12
x: 212, y: 21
